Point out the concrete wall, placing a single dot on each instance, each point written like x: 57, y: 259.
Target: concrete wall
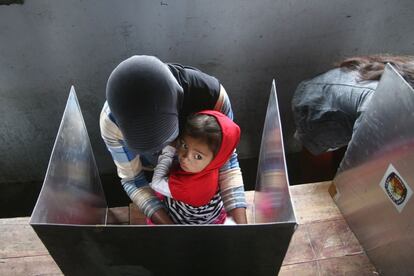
x: 48, y: 45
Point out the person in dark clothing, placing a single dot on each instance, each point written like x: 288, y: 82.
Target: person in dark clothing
x: 147, y: 103
x: 328, y: 108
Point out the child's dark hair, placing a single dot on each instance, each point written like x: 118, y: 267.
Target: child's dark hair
x: 206, y: 128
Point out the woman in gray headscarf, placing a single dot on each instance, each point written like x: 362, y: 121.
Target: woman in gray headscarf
x: 147, y: 103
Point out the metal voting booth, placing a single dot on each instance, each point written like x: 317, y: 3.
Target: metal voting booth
x: 376, y: 177
x: 70, y: 217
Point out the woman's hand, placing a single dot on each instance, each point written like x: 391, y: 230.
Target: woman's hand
x: 161, y: 217
x: 238, y: 215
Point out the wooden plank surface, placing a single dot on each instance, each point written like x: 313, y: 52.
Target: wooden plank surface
x: 313, y: 203
x: 22, y: 252
x: 118, y: 215
x: 358, y: 265
x: 17, y: 239
x: 323, y: 244
x: 30, y: 265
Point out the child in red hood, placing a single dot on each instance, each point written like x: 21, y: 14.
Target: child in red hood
x: 190, y: 187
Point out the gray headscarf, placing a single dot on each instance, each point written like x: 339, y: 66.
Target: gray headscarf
x: 143, y: 97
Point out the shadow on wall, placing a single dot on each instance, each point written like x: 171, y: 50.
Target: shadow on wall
x: 18, y: 199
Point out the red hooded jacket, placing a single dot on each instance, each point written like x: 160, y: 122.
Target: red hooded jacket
x: 197, y: 189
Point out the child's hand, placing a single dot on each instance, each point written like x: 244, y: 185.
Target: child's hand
x: 168, y: 151
x: 229, y: 221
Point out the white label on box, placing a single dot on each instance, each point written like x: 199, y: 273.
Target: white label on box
x: 395, y: 188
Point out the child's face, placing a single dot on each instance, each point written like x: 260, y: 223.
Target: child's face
x: 193, y: 154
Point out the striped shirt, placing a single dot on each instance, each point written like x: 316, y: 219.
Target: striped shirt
x: 131, y: 167
x: 182, y: 213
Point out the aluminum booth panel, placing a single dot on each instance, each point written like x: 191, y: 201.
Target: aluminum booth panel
x: 90, y: 247
x: 72, y: 192
x: 272, y: 197
x: 376, y: 178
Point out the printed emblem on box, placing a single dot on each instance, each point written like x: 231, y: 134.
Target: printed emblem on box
x: 396, y: 189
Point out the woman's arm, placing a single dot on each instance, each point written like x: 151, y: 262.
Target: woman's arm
x: 230, y: 178
x: 129, y: 169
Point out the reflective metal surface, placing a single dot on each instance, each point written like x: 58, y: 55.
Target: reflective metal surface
x: 380, y: 215
x: 72, y: 191
x: 95, y: 249
x: 272, y: 198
